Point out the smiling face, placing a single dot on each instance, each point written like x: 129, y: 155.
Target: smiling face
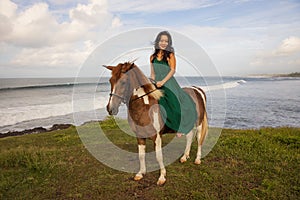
x: 163, y: 42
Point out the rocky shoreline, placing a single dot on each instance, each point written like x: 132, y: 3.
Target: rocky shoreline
x: 35, y: 130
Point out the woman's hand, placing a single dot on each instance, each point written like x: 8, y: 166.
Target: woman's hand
x: 159, y: 84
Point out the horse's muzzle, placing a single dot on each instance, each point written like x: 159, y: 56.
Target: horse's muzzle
x: 112, y: 111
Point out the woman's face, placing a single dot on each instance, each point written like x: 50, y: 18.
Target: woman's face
x: 163, y: 42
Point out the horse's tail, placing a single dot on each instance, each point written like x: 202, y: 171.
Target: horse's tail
x: 204, y: 128
x: 204, y: 123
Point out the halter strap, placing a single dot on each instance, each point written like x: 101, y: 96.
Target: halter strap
x: 122, y: 98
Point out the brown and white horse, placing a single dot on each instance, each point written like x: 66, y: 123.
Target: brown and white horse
x: 130, y: 86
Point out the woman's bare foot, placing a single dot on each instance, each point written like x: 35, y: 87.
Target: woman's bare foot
x: 179, y: 135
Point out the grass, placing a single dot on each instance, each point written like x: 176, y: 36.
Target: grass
x: 244, y: 164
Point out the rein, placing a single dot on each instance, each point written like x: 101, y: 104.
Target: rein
x: 124, y: 100
x: 144, y: 95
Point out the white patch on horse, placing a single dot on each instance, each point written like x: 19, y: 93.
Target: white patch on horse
x: 142, y: 151
x: 111, y: 97
x: 201, y: 93
x: 156, y: 123
x: 140, y: 92
x: 198, y: 157
x: 160, y: 161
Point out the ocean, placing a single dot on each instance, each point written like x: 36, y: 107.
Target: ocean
x: 232, y: 102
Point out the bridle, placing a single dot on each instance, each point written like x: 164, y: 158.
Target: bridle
x: 123, y: 100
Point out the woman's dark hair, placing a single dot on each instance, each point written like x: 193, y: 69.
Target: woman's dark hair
x: 169, y: 49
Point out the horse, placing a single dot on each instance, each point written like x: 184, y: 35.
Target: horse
x: 130, y: 86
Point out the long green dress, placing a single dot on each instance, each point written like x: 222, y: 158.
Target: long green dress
x: 177, y: 108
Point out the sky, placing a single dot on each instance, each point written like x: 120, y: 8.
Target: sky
x: 53, y: 38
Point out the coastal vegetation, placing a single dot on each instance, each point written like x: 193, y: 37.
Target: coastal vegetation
x: 295, y: 74
x: 244, y: 164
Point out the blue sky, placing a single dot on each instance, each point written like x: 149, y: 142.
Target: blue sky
x: 53, y: 38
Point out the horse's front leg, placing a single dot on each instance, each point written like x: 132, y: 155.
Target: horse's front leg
x: 159, y: 157
x: 142, y: 153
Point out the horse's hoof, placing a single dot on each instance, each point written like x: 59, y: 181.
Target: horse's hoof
x: 197, y: 161
x: 183, y: 159
x: 138, y: 177
x: 161, y: 182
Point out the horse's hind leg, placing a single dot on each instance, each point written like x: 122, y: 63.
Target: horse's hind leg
x: 189, y: 140
x: 201, y: 133
x: 198, y: 135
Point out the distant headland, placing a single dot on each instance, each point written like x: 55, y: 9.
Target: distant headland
x: 294, y: 74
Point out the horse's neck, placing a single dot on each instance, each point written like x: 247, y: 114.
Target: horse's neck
x: 138, y: 79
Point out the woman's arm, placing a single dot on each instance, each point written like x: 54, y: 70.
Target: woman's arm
x: 172, y: 64
x: 152, y: 75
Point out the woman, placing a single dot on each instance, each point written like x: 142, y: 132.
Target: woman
x: 177, y: 107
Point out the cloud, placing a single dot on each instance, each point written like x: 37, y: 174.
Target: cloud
x: 286, y: 57
x: 64, y: 2
x: 37, y: 27
x: 157, y: 6
x: 57, y: 56
x: 288, y: 46
x: 44, y: 41
x: 91, y: 14
x: 7, y: 8
x: 33, y: 27
x: 7, y: 11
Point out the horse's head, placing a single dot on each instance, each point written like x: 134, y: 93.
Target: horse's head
x: 120, y: 84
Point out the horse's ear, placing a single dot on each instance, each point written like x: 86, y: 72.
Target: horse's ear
x: 127, y: 66
x: 108, y: 67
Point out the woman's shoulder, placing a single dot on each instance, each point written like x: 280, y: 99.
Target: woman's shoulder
x: 171, y: 55
x: 152, y: 58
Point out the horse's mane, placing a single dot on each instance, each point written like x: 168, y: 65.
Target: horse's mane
x: 140, y: 80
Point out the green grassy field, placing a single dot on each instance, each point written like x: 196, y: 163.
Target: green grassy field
x: 244, y: 164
